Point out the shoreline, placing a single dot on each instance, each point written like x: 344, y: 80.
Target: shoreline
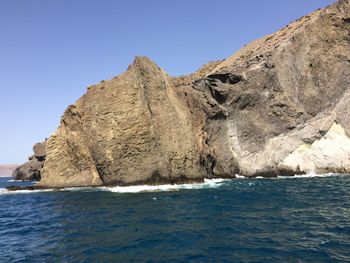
x: 178, y: 183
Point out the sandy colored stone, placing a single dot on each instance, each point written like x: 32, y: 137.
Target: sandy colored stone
x: 280, y: 105
x: 131, y: 129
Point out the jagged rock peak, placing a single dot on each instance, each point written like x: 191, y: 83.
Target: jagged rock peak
x: 144, y: 64
x: 278, y: 106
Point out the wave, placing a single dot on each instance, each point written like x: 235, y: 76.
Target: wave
x: 5, y: 191
x: 13, y: 181
x: 208, y: 183
x: 310, y: 175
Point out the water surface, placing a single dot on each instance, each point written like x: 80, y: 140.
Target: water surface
x: 241, y: 220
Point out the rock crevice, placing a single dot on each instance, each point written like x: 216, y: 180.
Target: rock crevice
x: 278, y: 106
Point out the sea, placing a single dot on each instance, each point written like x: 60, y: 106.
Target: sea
x: 285, y: 219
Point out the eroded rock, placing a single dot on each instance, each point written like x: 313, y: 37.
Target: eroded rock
x: 252, y: 114
x: 31, y: 170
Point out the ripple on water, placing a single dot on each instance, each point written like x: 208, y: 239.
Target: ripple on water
x: 272, y: 220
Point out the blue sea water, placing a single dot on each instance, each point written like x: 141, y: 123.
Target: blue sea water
x: 241, y: 220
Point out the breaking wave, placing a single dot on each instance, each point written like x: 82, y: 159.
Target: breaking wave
x: 310, y: 175
x: 208, y: 183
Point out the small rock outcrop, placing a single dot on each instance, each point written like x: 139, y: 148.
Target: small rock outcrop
x: 31, y: 170
x: 280, y: 105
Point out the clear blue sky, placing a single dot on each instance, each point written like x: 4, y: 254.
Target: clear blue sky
x: 50, y: 50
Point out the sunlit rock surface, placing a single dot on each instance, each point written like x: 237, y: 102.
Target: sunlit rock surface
x: 278, y: 106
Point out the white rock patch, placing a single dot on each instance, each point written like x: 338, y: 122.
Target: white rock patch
x: 331, y: 152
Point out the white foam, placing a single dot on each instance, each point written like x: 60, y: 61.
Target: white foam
x: 208, y: 183
x: 13, y: 180
x: 4, y: 191
x: 74, y: 189
x: 309, y: 175
x: 239, y: 176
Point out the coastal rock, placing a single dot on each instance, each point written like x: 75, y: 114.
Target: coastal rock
x: 278, y: 106
x: 31, y: 170
x: 330, y: 153
x: 278, y: 93
x: 132, y: 129
x: 39, y: 151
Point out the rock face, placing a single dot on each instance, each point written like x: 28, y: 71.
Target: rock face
x: 131, y: 129
x: 278, y: 106
x: 278, y: 93
x: 31, y: 170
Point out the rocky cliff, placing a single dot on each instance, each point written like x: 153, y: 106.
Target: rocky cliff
x: 278, y: 106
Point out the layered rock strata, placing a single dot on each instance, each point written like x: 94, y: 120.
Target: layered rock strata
x: 280, y: 105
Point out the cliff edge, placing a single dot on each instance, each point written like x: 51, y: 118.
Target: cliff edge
x: 280, y: 105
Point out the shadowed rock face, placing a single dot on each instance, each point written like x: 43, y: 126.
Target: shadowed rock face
x: 31, y: 170
x: 278, y: 106
x: 282, y: 91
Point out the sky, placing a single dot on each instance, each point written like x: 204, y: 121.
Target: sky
x: 51, y: 50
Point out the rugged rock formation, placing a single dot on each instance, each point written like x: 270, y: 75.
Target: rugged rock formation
x: 132, y: 129
x: 278, y: 93
x: 31, y: 170
x: 278, y: 106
